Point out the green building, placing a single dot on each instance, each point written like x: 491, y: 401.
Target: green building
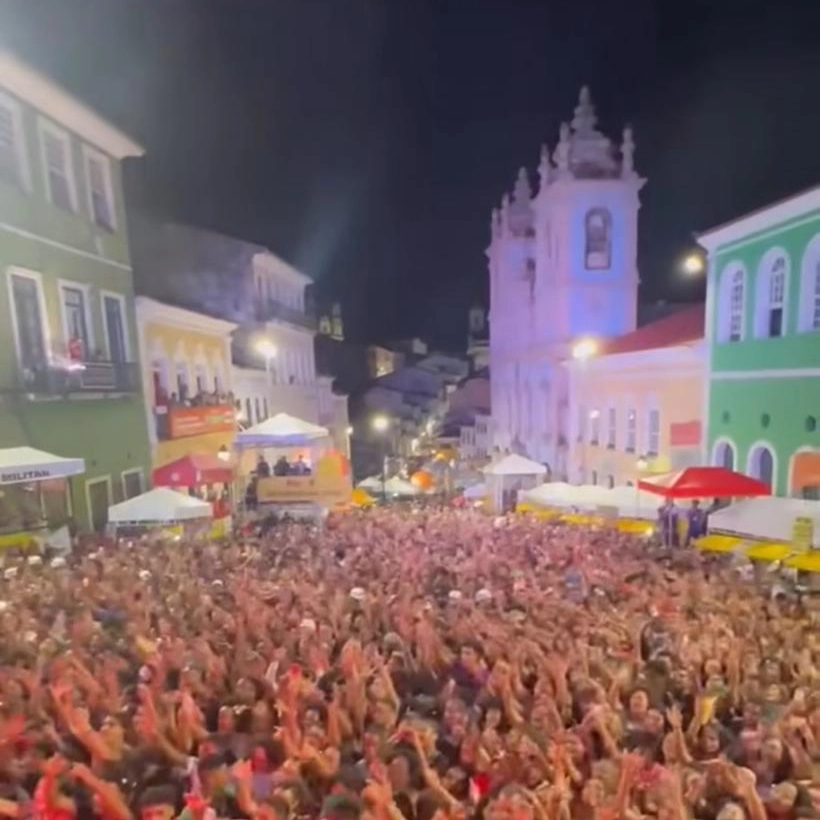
x: 69, y: 363
x: 763, y: 332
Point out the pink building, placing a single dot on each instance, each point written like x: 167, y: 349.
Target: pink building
x: 563, y: 266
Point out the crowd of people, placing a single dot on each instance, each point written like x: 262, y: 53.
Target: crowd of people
x: 399, y: 665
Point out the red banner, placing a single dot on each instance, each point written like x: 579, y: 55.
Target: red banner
x: 194, y: 421
x: 685, y: 434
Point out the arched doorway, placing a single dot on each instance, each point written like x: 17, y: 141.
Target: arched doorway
x: 723, y: 455
x: 761, y: 464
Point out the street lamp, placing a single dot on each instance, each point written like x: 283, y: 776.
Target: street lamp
x: 694, y: 264
x: 380, y: 425
x: 582, y: 351
x: 350, y: 431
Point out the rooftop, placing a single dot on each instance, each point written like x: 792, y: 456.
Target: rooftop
x: 683, y: 327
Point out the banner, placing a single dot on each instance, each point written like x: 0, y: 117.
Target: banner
x: 194, y: 421
x: 303, y: 489
x: 803, y: 534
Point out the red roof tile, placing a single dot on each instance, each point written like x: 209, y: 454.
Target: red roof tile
x: 680, y: 328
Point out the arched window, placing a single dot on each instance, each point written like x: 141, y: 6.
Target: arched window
x: 723, y: 455
x: 770, y: 296
x: 761, y: 464
x: 731, y: 303
x: 598, y: 239
x: 809, y: 304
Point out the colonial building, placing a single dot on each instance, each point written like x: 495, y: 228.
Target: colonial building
x: 637, y: 402
x: 763, y: 331
x: 69, y: 371
x: 189, y: 401
x: 272, y: 351
x: 562, y: 266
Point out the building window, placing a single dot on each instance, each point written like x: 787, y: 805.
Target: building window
x: 182, y: 381
x: 201, y: 378
x: 610, y: 482
x: 26, y: 297
x: 265, y: 407
x: 736, y: 307
x: 114, y: 318
x: 761, y: 465
x: 100, y: 190
x: 815, y: 302
x: 653, y: 432
x: 770, y: 294
x: 594, y: 427
x: 131, y: 483
x: 723, y: 455
x: 809, y: 302
x: 582, y: 423
x: 594, y: 477
x: 631, y: 430
x: 13, y: 168
x: 598, y: 239
x: 248, y: 414
x: 777, y: 287
x: 258, y: 408
x: 57, y: 163
x: 76, y: 319
x: 611, y: 428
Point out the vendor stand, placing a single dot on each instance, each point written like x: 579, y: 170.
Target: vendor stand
x: 35, y: 494
x: 506, y: 478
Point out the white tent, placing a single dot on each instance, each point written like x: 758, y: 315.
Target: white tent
x: 515, y: 465
x: 281, y: 430
x: 509, y: 477
x: 159, y: 506
x: 398, y: 486
x: 552, y: 494
x: 767, y: 519
x: 19, y: 465
x: 373, y: 484
x: 633, y: 503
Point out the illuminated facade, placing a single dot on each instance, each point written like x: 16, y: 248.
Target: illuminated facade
x: 563, y: 266
x: 763, y: 331
x: 186, y: 376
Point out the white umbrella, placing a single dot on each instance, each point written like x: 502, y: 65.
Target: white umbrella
x: 159, y: 506
x: 281, y: 430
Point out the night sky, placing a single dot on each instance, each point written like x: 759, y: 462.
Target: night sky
x: 365, y: 141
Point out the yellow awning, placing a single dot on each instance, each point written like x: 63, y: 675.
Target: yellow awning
x: 718, y: 543
x: 361, y: 498
x: 805, y: 561
x: 634, y: 526
x: 769, y: 553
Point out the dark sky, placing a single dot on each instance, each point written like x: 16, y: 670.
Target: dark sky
x: 366, y: 141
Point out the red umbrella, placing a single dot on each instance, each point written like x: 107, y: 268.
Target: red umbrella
x: 193, y: 470
x: 704, y: 482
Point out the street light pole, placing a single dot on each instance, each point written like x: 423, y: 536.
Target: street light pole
x: 381, y: 425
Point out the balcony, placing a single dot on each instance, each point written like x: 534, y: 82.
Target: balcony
x: 76, y: 378
x: 182, y: 422
x: 270, y: 310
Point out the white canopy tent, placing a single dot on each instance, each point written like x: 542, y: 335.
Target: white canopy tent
x: 766, y: 519
x: 281, y: 430
x: 629, y: 501
x: 373, y: 484
x: 508, y: 477
x: 159, y: 506
x: 21, y: 465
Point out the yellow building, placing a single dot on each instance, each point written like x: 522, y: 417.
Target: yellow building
x: 186, y: 372
x: 637, y: 402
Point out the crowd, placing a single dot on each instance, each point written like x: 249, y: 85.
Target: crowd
x: 394, y: 665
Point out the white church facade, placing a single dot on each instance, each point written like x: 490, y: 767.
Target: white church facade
x: 563, y: 268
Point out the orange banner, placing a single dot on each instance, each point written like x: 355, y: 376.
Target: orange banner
x: 194, y: 421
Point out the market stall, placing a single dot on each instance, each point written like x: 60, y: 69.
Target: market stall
x: 775, y: 520
x: 161, y: 508
x: 34, y: 494
x: 508, y: 477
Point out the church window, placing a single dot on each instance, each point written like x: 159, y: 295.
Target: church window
x: 598, y: 239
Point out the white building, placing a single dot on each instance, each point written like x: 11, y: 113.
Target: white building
x: 563, y: 266
x: 272, y: 350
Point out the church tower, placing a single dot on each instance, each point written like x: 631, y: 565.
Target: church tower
x: 563, y: 266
